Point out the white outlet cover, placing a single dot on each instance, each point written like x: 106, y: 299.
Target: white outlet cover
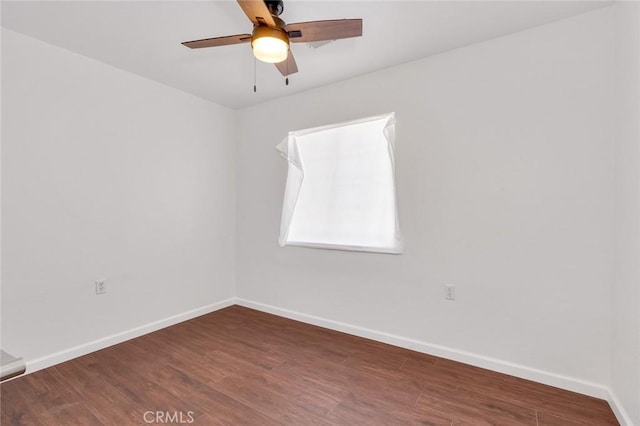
x: 450, y: 292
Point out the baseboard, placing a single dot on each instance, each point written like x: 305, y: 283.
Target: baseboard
x: 77, y: 351
x: 618, y: 409
x: 513, y: 369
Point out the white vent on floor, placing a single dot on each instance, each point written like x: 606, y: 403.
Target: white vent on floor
x: 10, y: 366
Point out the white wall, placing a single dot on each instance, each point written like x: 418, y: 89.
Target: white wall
x: 505, y: 173
x: 626, y: 289
x: 107, y: 175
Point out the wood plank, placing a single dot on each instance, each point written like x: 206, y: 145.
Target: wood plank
x: 476, y: 408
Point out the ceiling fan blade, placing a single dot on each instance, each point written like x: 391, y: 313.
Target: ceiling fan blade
x: 303, y: 32
x: 257, y: 12
x: 218, y: 41
x: 288, y: 66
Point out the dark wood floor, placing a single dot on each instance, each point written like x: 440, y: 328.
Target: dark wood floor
x: 242, y: 367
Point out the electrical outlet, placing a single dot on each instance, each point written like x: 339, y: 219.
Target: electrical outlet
x: 101, y: 286
x: 450, y: 292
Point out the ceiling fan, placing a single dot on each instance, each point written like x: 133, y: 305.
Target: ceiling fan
x: 271, y: 35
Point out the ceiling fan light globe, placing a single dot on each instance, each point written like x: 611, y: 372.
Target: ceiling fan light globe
x: 270, y: 49
x: 270, y: 44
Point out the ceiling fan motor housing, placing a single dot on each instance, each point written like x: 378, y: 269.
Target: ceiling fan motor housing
x: 276, y: 7
x: 266, y: 31
x: 278, y: 31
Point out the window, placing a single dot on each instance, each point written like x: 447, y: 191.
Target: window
x: 340, y: 190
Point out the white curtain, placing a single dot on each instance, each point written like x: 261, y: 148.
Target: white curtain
x: 340, y: 191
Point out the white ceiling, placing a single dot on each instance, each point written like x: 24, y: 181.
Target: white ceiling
x: 144, y: 37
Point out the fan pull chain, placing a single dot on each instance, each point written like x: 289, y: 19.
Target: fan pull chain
x: 254, y: 74
x: 286, y: 80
